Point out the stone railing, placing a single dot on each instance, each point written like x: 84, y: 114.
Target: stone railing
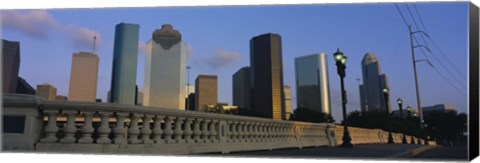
x: 61, y: 126
x: 368, y: 136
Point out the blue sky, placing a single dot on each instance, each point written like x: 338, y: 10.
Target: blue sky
x: 218, y: 41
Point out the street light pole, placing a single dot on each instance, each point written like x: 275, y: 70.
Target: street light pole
x: 341, y: 61
x: 412, y: 141
x: 400, y: 102
x: 385, y: 96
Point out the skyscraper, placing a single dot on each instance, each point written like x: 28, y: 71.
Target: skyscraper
x: 371, y: 95
x: 311, y: 78
x: 83, y: 77
x: 165, y: 68
x: 267, y: 76
x: 124, y: 69
x: 206, y: 91
x: 47, y: 91
x: 10, y: 65
x: 241, y: 88
x: 288, y: 101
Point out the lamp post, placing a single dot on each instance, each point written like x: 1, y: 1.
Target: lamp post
x: 400, y: 102
x: 341, y: 61
x: 385, y: 96
x: 409, y: 110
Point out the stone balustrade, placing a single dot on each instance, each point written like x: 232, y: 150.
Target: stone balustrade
x: 113, y: 128
x: 368, y: 136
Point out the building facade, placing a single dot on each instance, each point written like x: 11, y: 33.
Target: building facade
x: 288, y: 101
x: 266, y: 70
x: 165, y: 69
x: 83, y: 77
x: 124, y: 67
x: 311, y: 79
x: 371, y: 95
x: 24, y: 88
x: 206, y: 92
x: 241, y: 89
x: 47, y: 91
x: 10, y: 65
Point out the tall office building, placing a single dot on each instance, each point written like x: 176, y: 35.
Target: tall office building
x: 371, y: 95
x: 24, y: 88
x: 288, y: 101
x: 165, y: 69
x: 10, y: 65
x: 139, y: 97
x: 124, y: 69
x: 83, y: 77
x: 206, y: 91
x: 267, y: 76
x: 241, y: 89
x: 311, y: 78
x: 47, y: 91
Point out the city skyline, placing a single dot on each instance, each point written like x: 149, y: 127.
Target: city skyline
x: 202, y: 63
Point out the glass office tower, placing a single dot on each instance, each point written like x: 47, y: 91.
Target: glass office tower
x: 267, y: 76
x: 311, y: 78
x: 124, y: 69
x: 371, y: 96
x: 165, y: 69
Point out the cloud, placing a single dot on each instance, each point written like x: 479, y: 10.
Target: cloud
x: 39, y: 23
x: 34, y: 23
x: 82, y: 37
x: 222, y: 58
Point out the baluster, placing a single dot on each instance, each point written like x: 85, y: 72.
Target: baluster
x: 146, y: 131
x: 51, y: 129
x: 119, y: 129
x: 242, y: 131
x: 205, y: 130
x: 157, y: 130
x: 178, y: 130
x: 188, y: 130
x: 254, y: 131
x: 261, y: 132
x: 70, y: 129
x: 87, y: 128
x: 196, y: 130
x: 213, y: 132
x: 275, y: 133
x: 233, y: 131
x: 133, y: 130
x: 168, y: 132
x: 249, y: 132
x: 104, y: 129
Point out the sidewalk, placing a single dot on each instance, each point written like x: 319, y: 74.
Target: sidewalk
x: 377, y: 151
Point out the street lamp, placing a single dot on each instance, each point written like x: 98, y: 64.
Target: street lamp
x: 400, y: 102
x: 409, y: 110
x: 385, y: 96
x: 341, y: 61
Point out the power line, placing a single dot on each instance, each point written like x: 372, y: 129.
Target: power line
x: 445, y: 79
x: 435, y: 45
x: 400, y: 12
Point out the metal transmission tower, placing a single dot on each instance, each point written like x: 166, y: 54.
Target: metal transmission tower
x: 420, y: 113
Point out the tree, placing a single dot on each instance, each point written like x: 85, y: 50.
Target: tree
x: 308, y: 115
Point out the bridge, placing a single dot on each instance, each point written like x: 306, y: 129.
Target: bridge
x: 35, y: 124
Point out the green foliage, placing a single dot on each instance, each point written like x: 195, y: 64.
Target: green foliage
x: 380, y: 120
x: 308, y: 115
x: 446, y: 126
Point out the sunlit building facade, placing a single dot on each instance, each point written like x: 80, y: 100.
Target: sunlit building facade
x: 83, y: 77
x: 47, y: 91
x: 311, y: 78
x: 206, y: 92
x: 165, y: 69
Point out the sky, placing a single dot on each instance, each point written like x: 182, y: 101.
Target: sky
x: 218, y: 44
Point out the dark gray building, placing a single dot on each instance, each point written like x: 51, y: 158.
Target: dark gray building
x: 10, y: 65
x: 241, y: 88
x: 124, y: 69
x: 24, y: 88
x: 371, y: 95
x: 267, y: 76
